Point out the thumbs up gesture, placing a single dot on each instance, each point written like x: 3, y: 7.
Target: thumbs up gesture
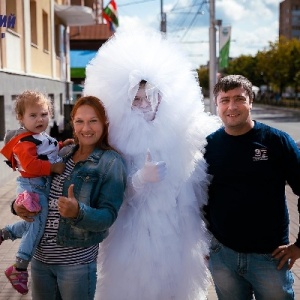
x: 152, y: 171
x: 68, y: 207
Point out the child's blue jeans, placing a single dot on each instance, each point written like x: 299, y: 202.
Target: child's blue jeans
x: 31, y: 232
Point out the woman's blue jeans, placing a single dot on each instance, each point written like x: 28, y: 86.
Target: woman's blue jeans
x: 239, y: 276
x: 63, y: 282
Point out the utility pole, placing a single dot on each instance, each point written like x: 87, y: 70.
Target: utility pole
x: 163, y: 22
x: 212, y: 56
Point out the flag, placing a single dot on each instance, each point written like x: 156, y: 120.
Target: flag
x: 224, y: 44
x: 110, y: 14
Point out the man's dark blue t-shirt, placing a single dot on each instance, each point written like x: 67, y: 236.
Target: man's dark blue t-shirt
x: 247, y: 208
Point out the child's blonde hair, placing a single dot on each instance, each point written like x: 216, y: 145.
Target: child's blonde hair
x: 28, y: 98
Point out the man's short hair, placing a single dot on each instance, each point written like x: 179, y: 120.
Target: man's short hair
x: 231, y: 82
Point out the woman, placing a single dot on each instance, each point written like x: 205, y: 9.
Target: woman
x: 83, y: 203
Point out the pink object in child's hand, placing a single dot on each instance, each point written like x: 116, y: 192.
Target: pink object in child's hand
x: 29, y: 200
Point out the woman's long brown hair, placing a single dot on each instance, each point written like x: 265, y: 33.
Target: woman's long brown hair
x: 98, y: 106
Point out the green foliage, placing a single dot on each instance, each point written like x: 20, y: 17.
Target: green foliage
x: 203, y: 76
x: 277, y: 67
x: 245, y: 65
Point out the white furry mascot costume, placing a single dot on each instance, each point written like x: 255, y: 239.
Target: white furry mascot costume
x: 156, y: 248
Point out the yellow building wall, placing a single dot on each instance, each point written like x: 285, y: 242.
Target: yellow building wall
x: 40, y: 62
x: 58, y: 67
x: 40, y: 58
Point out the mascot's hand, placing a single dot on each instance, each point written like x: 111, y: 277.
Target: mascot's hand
x: 151, y: 172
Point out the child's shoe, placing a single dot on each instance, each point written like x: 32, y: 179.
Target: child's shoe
x: 29, y: 200
x: 18, y: 279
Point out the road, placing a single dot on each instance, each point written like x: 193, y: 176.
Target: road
x: 286, y: 119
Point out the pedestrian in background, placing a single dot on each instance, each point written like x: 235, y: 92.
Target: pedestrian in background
x: 83, y: 203
x: 54, y: 131
x: 247, y: 212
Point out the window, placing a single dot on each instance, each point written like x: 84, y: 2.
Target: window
x: 33, y: 22
x: 11, y: 14
x: 56, y: 39
x: 45, y: 31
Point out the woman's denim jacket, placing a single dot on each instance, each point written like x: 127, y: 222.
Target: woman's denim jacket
x: 99, y: 184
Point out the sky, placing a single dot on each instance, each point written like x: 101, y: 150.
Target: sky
x: 254, y: 23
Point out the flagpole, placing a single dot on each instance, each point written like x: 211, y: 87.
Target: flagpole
x: 99, y: 10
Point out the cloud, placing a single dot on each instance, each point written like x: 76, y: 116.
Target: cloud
x: 254, y: 23
x: 230, y: 10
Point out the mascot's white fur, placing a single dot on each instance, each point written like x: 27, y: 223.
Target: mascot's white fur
x: 156, y: 248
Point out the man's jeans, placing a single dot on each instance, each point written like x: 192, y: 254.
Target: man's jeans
x: 56, y: 282
x: 237, y: 276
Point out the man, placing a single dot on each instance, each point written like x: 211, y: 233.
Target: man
x: 247, y: 213
x: 157, y: 248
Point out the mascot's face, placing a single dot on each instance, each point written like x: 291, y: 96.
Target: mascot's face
x: 142, y: 103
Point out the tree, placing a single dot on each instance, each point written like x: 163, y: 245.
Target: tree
x: 280, y: 63
x: 203, y: 74
x: 245, y: 65
x: 278, y: 66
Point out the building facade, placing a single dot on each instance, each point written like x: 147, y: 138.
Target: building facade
x: 35, y: 51
x: 84, y: 44
x: 289, y: 19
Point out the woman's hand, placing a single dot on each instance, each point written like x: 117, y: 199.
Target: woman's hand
x: 68, y: 142
x: 68, y: 207
x: 57, y: 168
x: 23, y: 213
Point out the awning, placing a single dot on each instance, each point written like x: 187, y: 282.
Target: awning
x: 80, y: 58
x: 75, y: 15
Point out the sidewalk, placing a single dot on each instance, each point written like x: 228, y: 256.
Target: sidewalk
x: 9, y: 248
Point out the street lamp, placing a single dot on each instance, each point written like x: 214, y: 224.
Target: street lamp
x: 163, y: 22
